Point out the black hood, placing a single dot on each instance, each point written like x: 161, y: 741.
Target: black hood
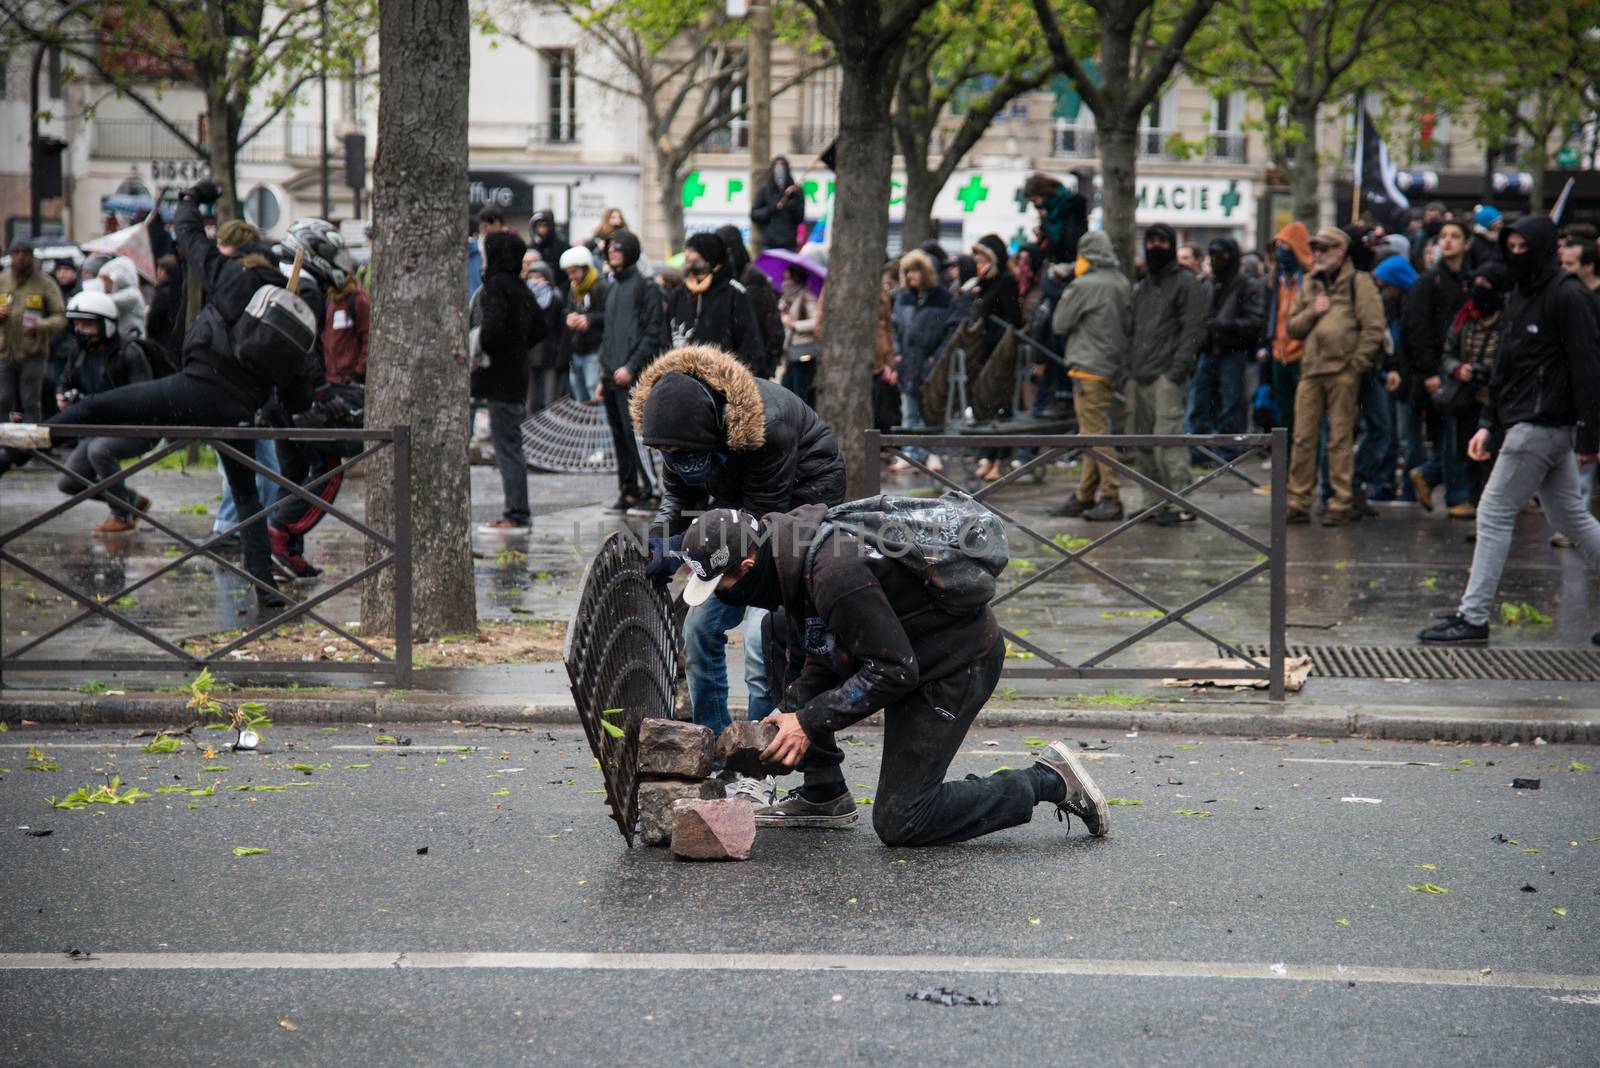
x: 629, y: 243
x: 502, y: 254
x: 1540, y: 234
x: 1162, y: 230
x: 685, y: 413
x: 738, y: 253
x: 1229, y: 248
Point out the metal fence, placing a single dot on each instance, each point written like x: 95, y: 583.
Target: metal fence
x: 1103, y: 448
x: 395, y: 555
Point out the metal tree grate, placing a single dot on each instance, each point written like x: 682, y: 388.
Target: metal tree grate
x: 569, y: 437
x: 622, y: 655
x: 1433, y: 662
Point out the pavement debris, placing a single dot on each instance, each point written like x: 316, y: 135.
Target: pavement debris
x: 949, y: 997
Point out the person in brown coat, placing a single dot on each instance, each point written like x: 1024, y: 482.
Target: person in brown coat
x: 1338, y: 313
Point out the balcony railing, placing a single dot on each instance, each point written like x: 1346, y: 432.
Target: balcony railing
x: 1227, y: 147
x: 735, y: 137
x: 140, y: 139
x: 1073, y: 142
x: 1153, y: 144
x: 1437, y: 154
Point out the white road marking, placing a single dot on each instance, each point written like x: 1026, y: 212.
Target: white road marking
x: 309, y: 748
x: 1088, y: 753
x: 1365, y: 763
x: 795, y: 962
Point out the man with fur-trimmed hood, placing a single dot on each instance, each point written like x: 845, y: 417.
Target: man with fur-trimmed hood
x: 729, y: 440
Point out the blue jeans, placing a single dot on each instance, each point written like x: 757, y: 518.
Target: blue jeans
x: 1375, y: 455
x: 705, y: 646
x: 911, y: 418
x: 228, y: 511
x: 583, y: 376
x: 1217, y: 399
x: 1448, y: 464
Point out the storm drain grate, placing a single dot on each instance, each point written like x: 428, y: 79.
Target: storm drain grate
x: 1428, y: 662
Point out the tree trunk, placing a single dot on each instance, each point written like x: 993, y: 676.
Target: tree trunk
x: 922, y: 188
x: 222, y: 134
x: 417, y: 374
x: 861, y: 233
x: 1118, y: 192
x: 1303, y: 168
x: 669, y: 194
x: 760, y: 89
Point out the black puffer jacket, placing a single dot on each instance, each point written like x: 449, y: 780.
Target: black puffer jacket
x: 721, y: 316
x: 94, y: 369
x: 922, y: 324
x: 510, y: 321
x: 230, y: 281
x: 763, y: 300
x: 1548, y: 372
x: 777, y: 454
x: 1430, y: 306
x: 780, y: 226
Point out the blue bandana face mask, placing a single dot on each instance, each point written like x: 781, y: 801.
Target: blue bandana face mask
x: 695, y: 468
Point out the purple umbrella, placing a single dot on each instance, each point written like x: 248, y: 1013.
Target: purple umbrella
x: 774, y: 263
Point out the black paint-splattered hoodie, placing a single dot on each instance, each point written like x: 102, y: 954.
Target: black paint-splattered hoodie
x: 862, y: 631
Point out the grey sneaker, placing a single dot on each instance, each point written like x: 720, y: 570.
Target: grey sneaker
x: 759, y: 792
x: 796, y: 811
x: 1084, y: 799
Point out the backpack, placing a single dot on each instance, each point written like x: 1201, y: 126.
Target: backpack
x: 273, y: 336
x: 952, y: 543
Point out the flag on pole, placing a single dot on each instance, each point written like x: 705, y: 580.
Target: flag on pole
x: 1561, y: 202
x: 1375, y: 176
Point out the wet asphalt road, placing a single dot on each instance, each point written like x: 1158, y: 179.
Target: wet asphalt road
x: 1153, y: 946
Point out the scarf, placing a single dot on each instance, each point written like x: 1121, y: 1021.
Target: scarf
x: 699, y: 285
x: 590, y: 277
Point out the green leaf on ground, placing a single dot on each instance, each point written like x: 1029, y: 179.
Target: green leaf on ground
x: 1429, y: 582
x: 1185, y: 745
x: 1426, y: 867
x: 1530, y: 851
x: 1576, y: 766
x: 354, y: 767
x: 1342, y: 923
x: 1514, y: 614
x: 1559, y: 911
x: 310, y: 767
x: 172, y: 789
x: 610, y: 711
x: 215, y: 767
x: 863, y: 800
x: 385, y: 739
x: 162, y: 743
x: 502, y: 792
x: 1034, y: 922
x: 1190, y: 812
x: 1428, y: 888
x: 1035, y: 743
x: 249, y: 851
x: 1071, y: 542
x: 612, y: 729
x: 1122, y: 801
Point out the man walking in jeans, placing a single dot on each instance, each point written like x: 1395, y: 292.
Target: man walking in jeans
x: 1544, y: 395
x: 859, y: 635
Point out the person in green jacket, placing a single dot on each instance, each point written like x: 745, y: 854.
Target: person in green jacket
x: 31, y: 312
x: 1095, y: 316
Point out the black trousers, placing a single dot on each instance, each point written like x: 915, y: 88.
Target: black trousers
x: 303, y: 462
x: 99, y: 458
x: 922, y: 733
x: 183, y: 400
x: 630, y: 478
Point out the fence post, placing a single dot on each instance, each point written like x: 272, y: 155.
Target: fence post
x: 1279, y: 564
x: 872, y: 477
x: 402, y: 556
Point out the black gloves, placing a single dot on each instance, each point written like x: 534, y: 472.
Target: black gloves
x: 665, y: 559
x: 207, y: 192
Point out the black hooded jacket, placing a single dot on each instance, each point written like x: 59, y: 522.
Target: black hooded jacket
x: 780, y: 226
x: 510, y: 321
x: 721, y: 316
x: 1548, y: 371
x: 763, y: 300
x: 230, y: 281
x: 1236, y: 305
x: 636, y: 325
x: 860, y: 630
x: 95, y: 368
x: 776, y: 454
x: 550, y: 247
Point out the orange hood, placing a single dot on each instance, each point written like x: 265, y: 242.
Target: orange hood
x: 1298, y: 238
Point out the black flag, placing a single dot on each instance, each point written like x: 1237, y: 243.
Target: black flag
x: 827, y: 158
x: 1376, y: 173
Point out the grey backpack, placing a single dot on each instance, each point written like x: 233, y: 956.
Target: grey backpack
x: 952, y: 543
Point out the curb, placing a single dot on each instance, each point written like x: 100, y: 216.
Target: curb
x: 1399, y: 724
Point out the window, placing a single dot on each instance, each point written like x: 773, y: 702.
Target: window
x: 52, y: 66
x: 819, y: 112
x: 1156, y: 126
x: 1435, y: 152
x: 1227, y: 142
x: 561, y: 95
x: 726, y: 96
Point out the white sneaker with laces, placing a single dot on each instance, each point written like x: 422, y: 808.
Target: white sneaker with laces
x: 756, y: 791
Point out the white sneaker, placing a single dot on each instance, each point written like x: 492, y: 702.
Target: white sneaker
x: 935, y: 464
x: 756, y: 791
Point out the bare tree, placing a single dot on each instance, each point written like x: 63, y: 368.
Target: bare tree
x: 681, y: 62
x: 417, y: 374
x: 869, y: 37
x: 1140, y: 44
